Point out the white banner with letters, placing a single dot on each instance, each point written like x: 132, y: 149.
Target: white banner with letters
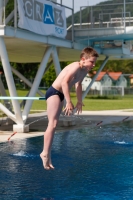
x: 42, y: 17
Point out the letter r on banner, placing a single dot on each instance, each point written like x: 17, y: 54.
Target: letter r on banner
x: 38, y: 11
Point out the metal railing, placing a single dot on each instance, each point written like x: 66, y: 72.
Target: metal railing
x: 99, y: 17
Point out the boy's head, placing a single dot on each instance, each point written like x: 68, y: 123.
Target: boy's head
x: 88, y: 52
x: 88, y: 58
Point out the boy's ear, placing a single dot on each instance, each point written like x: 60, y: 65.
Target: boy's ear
x: 83, y: 58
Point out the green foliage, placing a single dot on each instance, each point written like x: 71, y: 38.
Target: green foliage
x: 8, y: 10
x: 124, y: 66
x: 50, y: 76
x: 9, y: 7
x: 103, y: 97
x: 28, y: 70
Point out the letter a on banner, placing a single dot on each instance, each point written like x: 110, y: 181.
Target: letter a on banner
x: 48, y: 14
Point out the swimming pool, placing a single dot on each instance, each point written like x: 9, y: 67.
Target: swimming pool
x: 90, y: 164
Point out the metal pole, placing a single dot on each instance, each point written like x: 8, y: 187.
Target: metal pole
x: 80, y: 16
x: 1, y: 12
x: 100, y: 69
x: 91, y: 17
x: 3, y: 93
x: 10, y: 81
x: 15, y: 14
x: 73, y: 5
x: 21, y: 98
x: 56, y: 61
x: 8, y: 113
x: 124, y: 16
x: 6, y: 1
x: 73, y: 21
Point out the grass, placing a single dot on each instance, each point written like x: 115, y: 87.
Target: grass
x: 97, y: 104
x: 92, y: 103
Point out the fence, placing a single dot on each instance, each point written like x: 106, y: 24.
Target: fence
x: 113, y: 92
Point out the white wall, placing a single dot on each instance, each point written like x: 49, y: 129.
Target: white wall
x: 105, y: 81
x: 86, y: 81
x: 122, y: 82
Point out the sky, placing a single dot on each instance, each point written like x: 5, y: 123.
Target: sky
x: 79, y: 3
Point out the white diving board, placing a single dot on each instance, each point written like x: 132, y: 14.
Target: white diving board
x: 21, y: 98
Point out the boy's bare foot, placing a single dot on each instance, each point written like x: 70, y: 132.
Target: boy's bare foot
x: 46, y: 161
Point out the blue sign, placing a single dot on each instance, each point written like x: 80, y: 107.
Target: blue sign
x: 48, y: 17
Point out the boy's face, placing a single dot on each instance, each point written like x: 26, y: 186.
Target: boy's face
x: 89, y: 63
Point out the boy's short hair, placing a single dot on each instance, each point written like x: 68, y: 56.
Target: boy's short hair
x: 88, y: 52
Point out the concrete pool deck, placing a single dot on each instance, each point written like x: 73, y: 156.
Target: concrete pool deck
x: 38, y: 122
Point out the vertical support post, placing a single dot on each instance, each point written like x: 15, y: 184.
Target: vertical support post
x: 94, y: 78
x: 122, y: 90
x: 73, y: 22
x: 129, y: 19
x: 91, y: 17
x: 3, y: 92
x: 80, y: 16
x: 10, y: 81
x: 110, y: 20
x: 124, y: 16
x: 36, y: 82
x: 15, y: 14
x: 56, y: 61
x: 6, y: 1
x: 1, y: 12
x: 101, y: 90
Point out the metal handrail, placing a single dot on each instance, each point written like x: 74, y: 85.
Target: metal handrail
x: 92, y: 18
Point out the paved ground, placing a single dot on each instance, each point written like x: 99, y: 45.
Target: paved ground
x: 38, y: 122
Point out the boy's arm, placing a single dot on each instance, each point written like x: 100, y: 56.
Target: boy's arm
x: 65, y: 88
x: 69, y: 105
x: 78, y: 87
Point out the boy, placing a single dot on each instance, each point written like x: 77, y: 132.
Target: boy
x: 70, y: 75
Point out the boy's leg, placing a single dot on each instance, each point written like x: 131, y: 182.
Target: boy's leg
x: 54, y: 107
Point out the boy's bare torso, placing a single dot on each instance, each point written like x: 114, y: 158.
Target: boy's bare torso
x: 76, y: 76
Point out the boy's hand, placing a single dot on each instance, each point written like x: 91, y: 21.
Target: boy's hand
x: 68, y: 110
x: 78, y: 107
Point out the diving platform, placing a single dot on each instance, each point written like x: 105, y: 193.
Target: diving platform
x: 28, y: 47
x: 20, y: 44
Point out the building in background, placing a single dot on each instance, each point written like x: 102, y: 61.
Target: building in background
x: 131, y: 80
x: 105, y: 79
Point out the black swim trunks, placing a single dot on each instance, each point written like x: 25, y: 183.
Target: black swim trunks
x: 52, y: 91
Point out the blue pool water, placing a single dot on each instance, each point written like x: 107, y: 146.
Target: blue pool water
x: 90, y: 164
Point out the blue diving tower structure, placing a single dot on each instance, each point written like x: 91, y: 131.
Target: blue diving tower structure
x: 39, y: 32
